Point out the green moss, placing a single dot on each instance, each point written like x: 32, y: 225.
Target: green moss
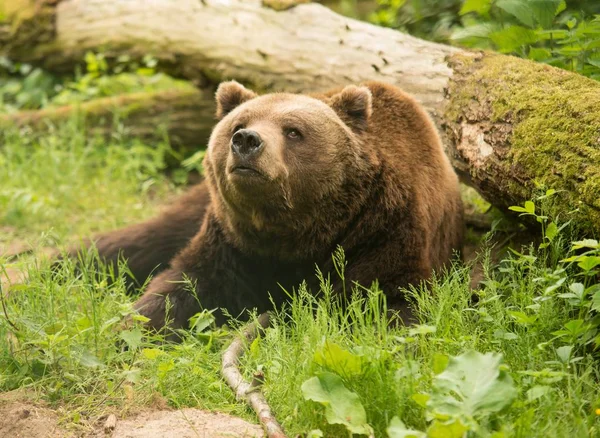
x: 282, y: 5
x: 545, y: 125
x: 17, y: 10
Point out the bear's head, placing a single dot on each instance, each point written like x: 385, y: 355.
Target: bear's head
x: 279, y: 164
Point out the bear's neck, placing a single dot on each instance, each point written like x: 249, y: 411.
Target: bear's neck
x: 312, y: 236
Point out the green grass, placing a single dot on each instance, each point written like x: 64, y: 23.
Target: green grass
x: 72, y: 184
x: 58, y: 188
x: 400, y: 363
x: 63, y: 334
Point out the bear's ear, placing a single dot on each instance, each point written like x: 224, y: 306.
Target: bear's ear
x: 230, y: 95
x: 353, y: 106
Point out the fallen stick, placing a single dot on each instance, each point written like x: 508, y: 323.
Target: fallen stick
x: 250, y: 391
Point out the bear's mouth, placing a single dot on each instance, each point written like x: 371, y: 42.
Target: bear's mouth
x: 244, y: 169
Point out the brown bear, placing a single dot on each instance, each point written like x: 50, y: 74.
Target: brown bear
x: 289, y: 178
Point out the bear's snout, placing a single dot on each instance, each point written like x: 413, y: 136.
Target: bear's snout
x: 246, y: 142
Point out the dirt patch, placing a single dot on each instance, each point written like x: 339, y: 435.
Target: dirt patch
x: 9, y: 244
x: 185, y: 423
x: 22, y: 417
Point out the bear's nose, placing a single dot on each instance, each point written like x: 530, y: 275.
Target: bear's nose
x: 246, y: 142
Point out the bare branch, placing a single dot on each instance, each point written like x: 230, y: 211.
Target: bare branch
x: 250, y: 391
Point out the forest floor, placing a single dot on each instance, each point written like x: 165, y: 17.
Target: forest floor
x: 513, y: 357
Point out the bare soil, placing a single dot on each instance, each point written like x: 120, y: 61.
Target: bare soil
x: 22, y: 417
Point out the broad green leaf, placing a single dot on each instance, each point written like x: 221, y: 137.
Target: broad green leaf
x: 530, y: 207
x: 588, y: 263
x: 570, y: 259
x: 132, y: 375
x: 596, y: 301
x: 90, y: 360
x: 508, y: 40
x: 84, y: 323
x: 517, y: 209
x: 477, y: 31
x: 152, y: 353
x: 569, y: 51
x: 342, y: 406
x: 471, y: 386
x: 551, y: 231
x: 502, y: 334
x: 480, y: 7
x: 522, y: 318
x: 586, y: 243
x: 397, y: 429
x: 54, y: 328
x: 421, y: 399
x: 165, y: 367
x: 571, y: 23
x: 338, y: 360
x: 539, y: 54
x: 421, y: 329
x: 575, y: 325
x: 564, y: 353
x: 537, y: 392
x: 409, y: 368
x: 201, y: 321
x: 440, y: 362
x: 552, y: 34
x: 578, y: 289
x: 133, y: 338
x: 557, y: 284
x: 594, y: 62
x: 573, y: 328
x: 519, y: 9
x: 544, y: 11
x: 255, y: 347
x: 568, y: 296
x: 441, y: 429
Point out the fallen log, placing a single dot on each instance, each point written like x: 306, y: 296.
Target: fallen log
x: 509, y: 124
x: 187, y: 116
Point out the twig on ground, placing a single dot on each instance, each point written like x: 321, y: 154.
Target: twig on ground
x: 250, y: 391
x: 110, y: 424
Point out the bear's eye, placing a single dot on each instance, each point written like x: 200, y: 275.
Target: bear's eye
x: 293, y: 134
x: 238, y: 127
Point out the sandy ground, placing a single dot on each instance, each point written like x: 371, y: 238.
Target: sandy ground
x: 21, y: 417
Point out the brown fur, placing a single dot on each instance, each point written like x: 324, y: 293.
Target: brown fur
x: 368, y: 174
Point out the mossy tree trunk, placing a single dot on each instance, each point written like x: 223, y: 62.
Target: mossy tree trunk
x: 509, y: 124
x: 515, y: 126
x: 187, y: 116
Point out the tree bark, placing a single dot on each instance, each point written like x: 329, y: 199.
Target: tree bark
x: 509, y: 124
